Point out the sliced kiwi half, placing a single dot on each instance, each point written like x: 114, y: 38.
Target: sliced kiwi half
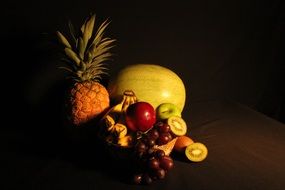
x: 196, y: 152
x: 177, y: 125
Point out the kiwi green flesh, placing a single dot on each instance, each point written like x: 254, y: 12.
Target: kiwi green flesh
x: 177, y: 125
x: 196, y: 152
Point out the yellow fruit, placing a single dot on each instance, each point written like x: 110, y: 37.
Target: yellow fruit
x: 151, y: 83
x: 87, y: 100
x: 109, y: 122
x: 196, y: 152
x: 125, y: 141
x: 120, y: 130
x: 112, y: 125
x: 177, y: 125
x: 168, y: 147
x: 86, y: 57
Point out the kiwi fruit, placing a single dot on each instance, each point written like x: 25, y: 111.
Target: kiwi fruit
x: 196, y: 152
x: 177, y: 125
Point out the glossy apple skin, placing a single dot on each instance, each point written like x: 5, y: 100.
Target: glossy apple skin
x: 151, y: 83
x: 166, y: 110
x: 140, y: 116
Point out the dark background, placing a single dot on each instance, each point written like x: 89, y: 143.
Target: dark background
x: 221, y: 50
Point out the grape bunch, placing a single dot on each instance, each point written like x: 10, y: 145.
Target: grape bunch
x: 153, y: 163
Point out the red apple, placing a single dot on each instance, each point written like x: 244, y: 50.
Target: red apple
x: 140, y: 116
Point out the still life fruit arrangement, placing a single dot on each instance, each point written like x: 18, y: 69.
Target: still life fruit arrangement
x: 138, y: 114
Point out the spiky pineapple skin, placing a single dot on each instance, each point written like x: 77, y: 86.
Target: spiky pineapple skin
x: 87, y: 100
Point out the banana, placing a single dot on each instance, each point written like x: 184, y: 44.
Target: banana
x: 129, y: 98
x: 109, y: 121
x: 120, y: 130
x: 113, y: 122
x: 125, y: 141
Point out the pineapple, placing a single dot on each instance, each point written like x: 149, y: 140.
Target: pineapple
x: 86, y: 56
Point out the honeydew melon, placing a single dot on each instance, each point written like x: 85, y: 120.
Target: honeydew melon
x: 151, y: 83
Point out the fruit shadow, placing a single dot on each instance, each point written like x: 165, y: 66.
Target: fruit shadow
x: 81, y: 147
x: 39, y: 129
x: 50, y: 138
x: 178, y: 156
x: 92, y: 154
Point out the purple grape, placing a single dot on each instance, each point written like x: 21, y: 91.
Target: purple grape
x: 163, y: 138
x: 153, y: 134
x: 169, y: 136
x: 147, y: 179
x: 137, y: 178
x: 165, y: 128
x: 153, y: 163
x: 151, y: 142
x: 159, y: 154
x: 160, y: 173
x: 166, y: 163
x: 141, y: 147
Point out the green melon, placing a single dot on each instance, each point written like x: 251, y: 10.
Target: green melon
x: 151, y: 83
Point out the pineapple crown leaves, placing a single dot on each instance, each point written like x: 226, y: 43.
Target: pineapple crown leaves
x: 89, y: 50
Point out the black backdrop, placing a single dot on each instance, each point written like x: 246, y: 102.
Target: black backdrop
x: 229, y: 49
x: 220, y: 49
